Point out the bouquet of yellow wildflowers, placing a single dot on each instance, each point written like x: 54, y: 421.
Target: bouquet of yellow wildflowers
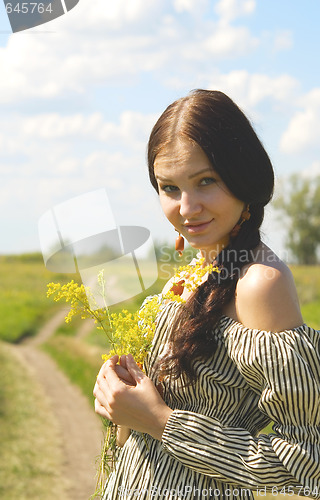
x: 126, y: 332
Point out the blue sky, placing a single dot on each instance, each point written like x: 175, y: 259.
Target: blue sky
x: 79, y: 95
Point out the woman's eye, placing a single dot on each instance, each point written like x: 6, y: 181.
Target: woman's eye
x: 168, y: 188
x: 207, y: 180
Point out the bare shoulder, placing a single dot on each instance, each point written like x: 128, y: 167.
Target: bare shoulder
x: 266, y: 296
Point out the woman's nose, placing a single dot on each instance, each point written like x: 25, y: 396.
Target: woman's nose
x: 190, y: 205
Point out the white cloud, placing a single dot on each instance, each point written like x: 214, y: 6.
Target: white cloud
x: 8, y: 144
x: 229, y: 41
x: 55, y: 126
x: 109, y: 163
x: 133, y: 129
x: 110, y: 16
x: 91, y: 45
x: 62, y: 156
x: 113, y: 42
x: 248, y: 90
x: 229, y: 10
x: 192, y: 6
x: 42, y: 68
x: 24, y: 198
x: 303, y: 130
x: 56, y: 131
x: 283, y: 40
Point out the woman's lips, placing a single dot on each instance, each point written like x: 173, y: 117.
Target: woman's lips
x: 197, y: 227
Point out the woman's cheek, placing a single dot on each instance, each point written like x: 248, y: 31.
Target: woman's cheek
x: 169, y: 208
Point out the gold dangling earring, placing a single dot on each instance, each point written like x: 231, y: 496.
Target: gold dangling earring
x: 244, y: 217
x: 179, y: 244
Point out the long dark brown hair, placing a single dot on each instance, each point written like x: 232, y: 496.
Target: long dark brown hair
x: 214, y: 122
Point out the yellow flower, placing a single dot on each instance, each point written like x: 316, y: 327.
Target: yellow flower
x: 128, y: 332
x: 193, y: 274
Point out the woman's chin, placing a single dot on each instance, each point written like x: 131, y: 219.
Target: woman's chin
x: 208, y: 248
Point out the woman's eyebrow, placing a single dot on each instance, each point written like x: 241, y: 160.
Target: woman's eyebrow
x: 207, y: 169
x: 160, y: 178
x: 166, y: 179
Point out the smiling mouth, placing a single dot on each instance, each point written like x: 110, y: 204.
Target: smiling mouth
x: 197, y: 227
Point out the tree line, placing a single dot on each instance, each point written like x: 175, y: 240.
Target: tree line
x: 299, y: 203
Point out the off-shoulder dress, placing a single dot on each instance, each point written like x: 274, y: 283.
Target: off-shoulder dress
x: 212, y: 445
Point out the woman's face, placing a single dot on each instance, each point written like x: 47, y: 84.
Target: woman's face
x: 194, y: 198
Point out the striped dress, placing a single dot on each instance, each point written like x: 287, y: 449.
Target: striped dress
x: 212, y: 446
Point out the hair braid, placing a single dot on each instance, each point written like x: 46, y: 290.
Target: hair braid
x: 192, y: 329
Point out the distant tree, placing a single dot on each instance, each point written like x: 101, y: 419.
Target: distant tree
x: 299, y: 201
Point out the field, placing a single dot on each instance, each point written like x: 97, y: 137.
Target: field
x: 23, y: 303
x: 24, y: 306
x: 307, y: 280
x: 24, y: 309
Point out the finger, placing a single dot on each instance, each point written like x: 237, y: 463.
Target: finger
x: 95, y: 389
x: 100, y: 373
x: 112, y: 361
x: 98, y: 408
x: 110, y: 376
x: 101, y: 388
x: 101, y: 397
x: 123, y: 361
x: 134, y: 370
x: 105, y: 368
x: 115, y: 358
x: 124, y: 375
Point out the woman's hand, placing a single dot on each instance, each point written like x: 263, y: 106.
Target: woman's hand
x: 126, y: 396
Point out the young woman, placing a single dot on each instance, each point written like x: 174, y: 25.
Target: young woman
x: 237, y: 354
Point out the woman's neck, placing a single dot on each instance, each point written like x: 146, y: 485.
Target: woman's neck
x: 211, y: 254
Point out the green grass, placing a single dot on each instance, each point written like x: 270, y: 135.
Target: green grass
x: 69, y: 329
x: 24, y: 306
x: 311, y: 314
x: 78, y: 360
x: 30, y: 455
x: 307, y: 279
x: 23, y: 302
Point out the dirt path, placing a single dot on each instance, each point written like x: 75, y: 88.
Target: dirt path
x: 80, y: 427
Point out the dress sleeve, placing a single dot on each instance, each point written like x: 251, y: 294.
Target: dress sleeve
x: 284, y: 368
